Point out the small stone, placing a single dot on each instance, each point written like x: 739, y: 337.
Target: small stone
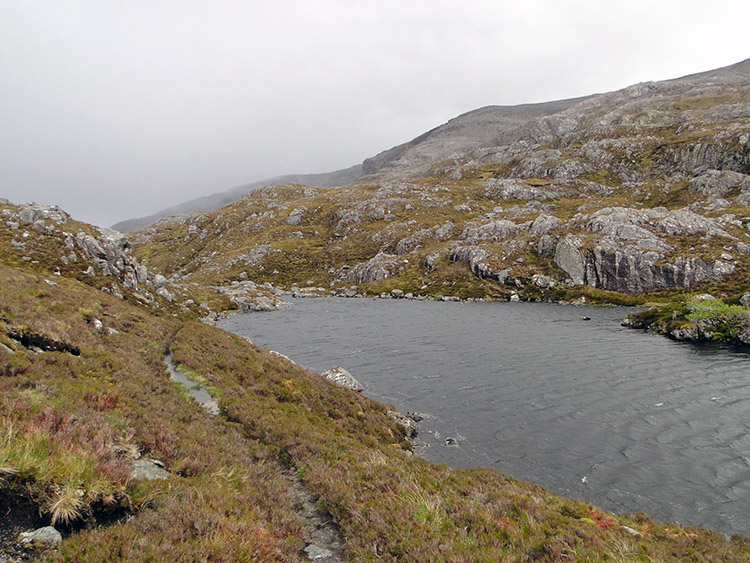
x: 631, y: 531
x: 317, y: 553
x: 41, y: 538
x: 148, y: 469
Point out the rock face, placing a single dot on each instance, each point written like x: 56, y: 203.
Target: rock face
x: 629, y: 256
x: 406, y: 422
x: 509, y: 188
x: 107, y: 252
x: 378, y: 268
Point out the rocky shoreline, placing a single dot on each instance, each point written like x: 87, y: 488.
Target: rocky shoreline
x: 703, y: 319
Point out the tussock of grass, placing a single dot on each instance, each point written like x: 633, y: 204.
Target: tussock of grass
x: 67, y: 506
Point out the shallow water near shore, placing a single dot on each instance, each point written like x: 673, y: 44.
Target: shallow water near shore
x: 627, y: 420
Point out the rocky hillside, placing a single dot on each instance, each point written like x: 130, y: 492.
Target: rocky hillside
x: 104, y: 456
x: 490, y: 126
x: 620, y: 197
x: 214, y: 201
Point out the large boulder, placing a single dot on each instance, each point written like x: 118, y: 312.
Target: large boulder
x: 377, y: 268
x: 344, y: 378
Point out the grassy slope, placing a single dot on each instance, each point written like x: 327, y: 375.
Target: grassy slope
x: 70, y: 423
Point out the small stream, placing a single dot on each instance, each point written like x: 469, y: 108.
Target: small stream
x: 194, y: 389
x: 621, y: 418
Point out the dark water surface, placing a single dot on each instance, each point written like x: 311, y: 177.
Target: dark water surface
x: 630, y: 421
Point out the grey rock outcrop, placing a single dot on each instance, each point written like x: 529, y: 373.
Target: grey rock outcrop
x: 377, y: 268
x: 344, y: 378
x: 414, y: 242
x: 509, y: 188
x: 478, y: 260
x: 543, y: 282
x: 569, y: 256
x: 632, y: 270
x: 492, y: 231
x: 543, y: 224
x: 407, y: 423
x: 296, y: 215
x: 107, y: 251
x: 720, y: 182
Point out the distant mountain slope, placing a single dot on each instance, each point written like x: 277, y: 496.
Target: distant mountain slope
x: 481, y: 127
x: 644, y: 189
x: 491, y: 126
x: 214, y: 201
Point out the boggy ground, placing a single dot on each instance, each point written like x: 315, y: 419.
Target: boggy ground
x: 74, y: 415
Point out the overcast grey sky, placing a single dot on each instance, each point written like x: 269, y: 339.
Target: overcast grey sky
x: 115, y: 109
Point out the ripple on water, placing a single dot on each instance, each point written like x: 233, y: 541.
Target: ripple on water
x: 654, y: 426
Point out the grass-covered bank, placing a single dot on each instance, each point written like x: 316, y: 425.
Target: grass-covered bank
x: 84, y: 390
x: 698, y: 318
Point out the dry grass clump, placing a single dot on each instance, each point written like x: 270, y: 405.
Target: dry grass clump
x: 67, y: 506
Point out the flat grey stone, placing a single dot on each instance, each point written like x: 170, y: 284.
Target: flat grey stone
x: 317, y: 553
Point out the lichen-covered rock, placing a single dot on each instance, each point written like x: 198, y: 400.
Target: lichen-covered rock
x: 478, y: 260
x: 719, y: 182
x: 543, y: 224
x: 296, y: 215
x: 347, y: 218
x: 508, y: 188
x: 569, y: 256
x: 493, y: 231
x: 408, y: 424
x: 148, y: 469
x: 544, y: 282
x: 344, y: 378
x: 41, y: 539
x: 377, y: 268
